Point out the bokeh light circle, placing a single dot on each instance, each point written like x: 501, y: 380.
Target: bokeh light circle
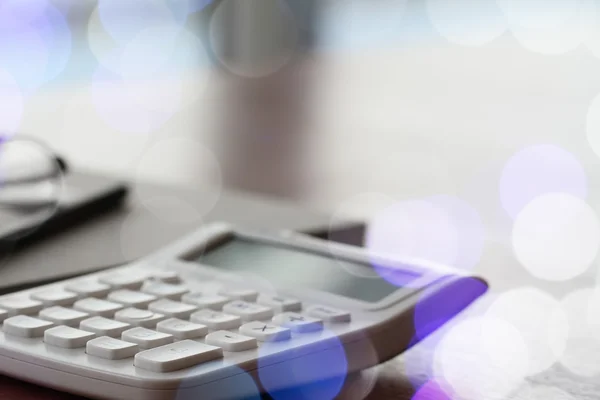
x: 180, y: 162
x: 350, y: 210
x: 124, y: 20
x: 583, y: 348
x: 541, y: 321
x: 467, y: 22
x: 304, y: 376
x: 352, y: 24
x: 265, y: 47
x: 548, y: 27
x: 13, y: 103
x: 416, y: 229
x: 435, y: 308
x: 537, y: 170
x: 35, y: 43
x: 556, y: 237
x: 134, y: 106
x: 432, y: 390
x: 480, y: 357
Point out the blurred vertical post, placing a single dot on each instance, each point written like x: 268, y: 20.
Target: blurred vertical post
x: 263, y: 48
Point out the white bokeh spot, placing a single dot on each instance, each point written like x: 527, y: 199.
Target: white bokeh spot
x: 540, y: 320
x: 556, y: 236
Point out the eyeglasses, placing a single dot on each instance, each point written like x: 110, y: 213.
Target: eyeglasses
x: 31, y: 175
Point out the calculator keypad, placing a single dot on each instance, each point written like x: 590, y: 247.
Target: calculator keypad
x: 157, y: 322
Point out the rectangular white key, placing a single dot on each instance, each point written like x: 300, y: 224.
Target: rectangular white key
x: 16, y: 305
x: 104, y: 327
x: 137, y: 317
x: 176, y: 356
x: 231, y: 341
x: 298, y: 323
x: 239, y: 294
x: 181, y: 329
x: 55, y: 297
x: 329, y: 314
x: 216, y: 320
x: 67, y: 337
x: 248, y: 311
x: 206, y: 300
x: 131, y: 298
x: 63, y: 316
x: 279, y: 303
x: 123, y: 280
x: 111, y: 348
x: 146, y: 338
x: 25, y: 326
x: 98, y: 307
x: 172, y: 308
x: 88, y: 288
x: 160, y: 289
x: 265, y: 332
x: 3, y: 315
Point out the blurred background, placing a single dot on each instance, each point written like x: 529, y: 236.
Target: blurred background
x: 346, y: 106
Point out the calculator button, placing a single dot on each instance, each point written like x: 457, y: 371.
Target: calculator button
x: 111, y: 348
x: 173, y: 292
x: 216, y: 320
x: 146, y: 338
x: 239, y: 294
x: 131, y: 298
x: 231, y: 341
x: 181, y: 329
x: 25, y: 326
x: 137, y: 317
x: 248, y: 311
x: 165, y: 276
x: 63, y: 316
x: 3, y: 315
x: 55, y: 297
x: 104, y: 327
x: 172, y: 308
x: 206, y: 300
x: 329, y: 314
x: 17, y: 305
x: 176, y: 356
x: 298, y: 322
x: 67, y: 337
x: 265, y: 332
x: 88, y: 288
x: 279, y: 303
x: 98, y: 307
x: 123, y: 280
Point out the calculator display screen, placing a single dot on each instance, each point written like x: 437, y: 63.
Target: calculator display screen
x: 288, y: 266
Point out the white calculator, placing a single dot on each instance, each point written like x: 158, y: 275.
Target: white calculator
x: 227, y: 313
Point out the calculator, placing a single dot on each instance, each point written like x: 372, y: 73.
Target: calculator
x: 228, y: 313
